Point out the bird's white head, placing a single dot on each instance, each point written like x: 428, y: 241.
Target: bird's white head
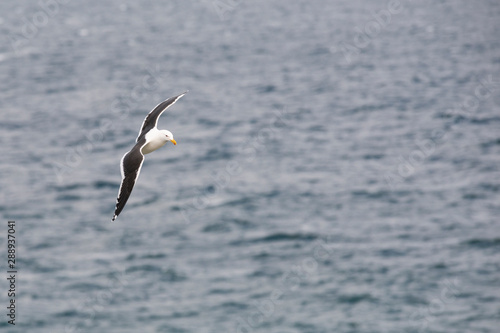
x: 168, y: 136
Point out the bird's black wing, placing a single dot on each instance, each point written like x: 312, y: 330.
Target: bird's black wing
x: 152, y: 118
x: 130, y: 165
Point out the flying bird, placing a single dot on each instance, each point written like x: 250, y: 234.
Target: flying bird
x: 150, y: 138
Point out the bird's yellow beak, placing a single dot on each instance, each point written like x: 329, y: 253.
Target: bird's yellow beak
x: 173, y: 141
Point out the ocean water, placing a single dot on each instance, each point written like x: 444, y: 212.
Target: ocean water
x: 337, y: 166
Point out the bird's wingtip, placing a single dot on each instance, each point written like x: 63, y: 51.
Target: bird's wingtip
x: 114, y: 218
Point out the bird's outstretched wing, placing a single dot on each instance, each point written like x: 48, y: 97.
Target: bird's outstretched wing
x: 130, y: 165
x: 152, y: 118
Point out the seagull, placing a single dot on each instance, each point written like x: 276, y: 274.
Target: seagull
x: 150, y: 138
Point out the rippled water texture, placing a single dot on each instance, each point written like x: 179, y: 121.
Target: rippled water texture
x: 337, y: 165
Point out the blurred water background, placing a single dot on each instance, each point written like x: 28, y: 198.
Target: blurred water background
x: 337, y: 166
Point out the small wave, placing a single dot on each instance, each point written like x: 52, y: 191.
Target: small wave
x: 216, y: 154
x: 84, y: 287
x: 105, y: 184
x: 67, y: 314
x: 34, y: 265
x: 265, y: 89
x: 261, y: 256
x: 248, y: 202
x: 221, y: 291
x: 483, y: 242
x: 69, y: 187
x: 371, y: 195
x: 305, y: 327
x: 367, y: 108
x: 245, y: 224
x: 143, y: 268
x: 154, y: 256
x: 234, y: 305
x: 170, y: 329
x: 373, y: 156
x: 491, y: 143
x: 217, y: 228
x: 490, y: 187
x: 42, y: 245
x: 152, y: 198
x: 280, y: 236
x: 270, y: 273
x: 208, y: 122
x: 317, y: 128
x: 473, y: 196
x: 484, y: 120
x: 68, y: 197
x: 355, y: 298
x: 133, y: 256
x: 187, y: 314
x: 171, y: 275
x: 391, y: 253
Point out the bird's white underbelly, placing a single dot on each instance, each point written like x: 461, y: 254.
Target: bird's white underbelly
x: 156, y: 140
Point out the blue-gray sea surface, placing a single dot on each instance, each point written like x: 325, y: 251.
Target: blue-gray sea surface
x: 337, y: 166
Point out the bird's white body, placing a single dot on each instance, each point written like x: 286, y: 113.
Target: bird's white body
x: 156, y: 139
